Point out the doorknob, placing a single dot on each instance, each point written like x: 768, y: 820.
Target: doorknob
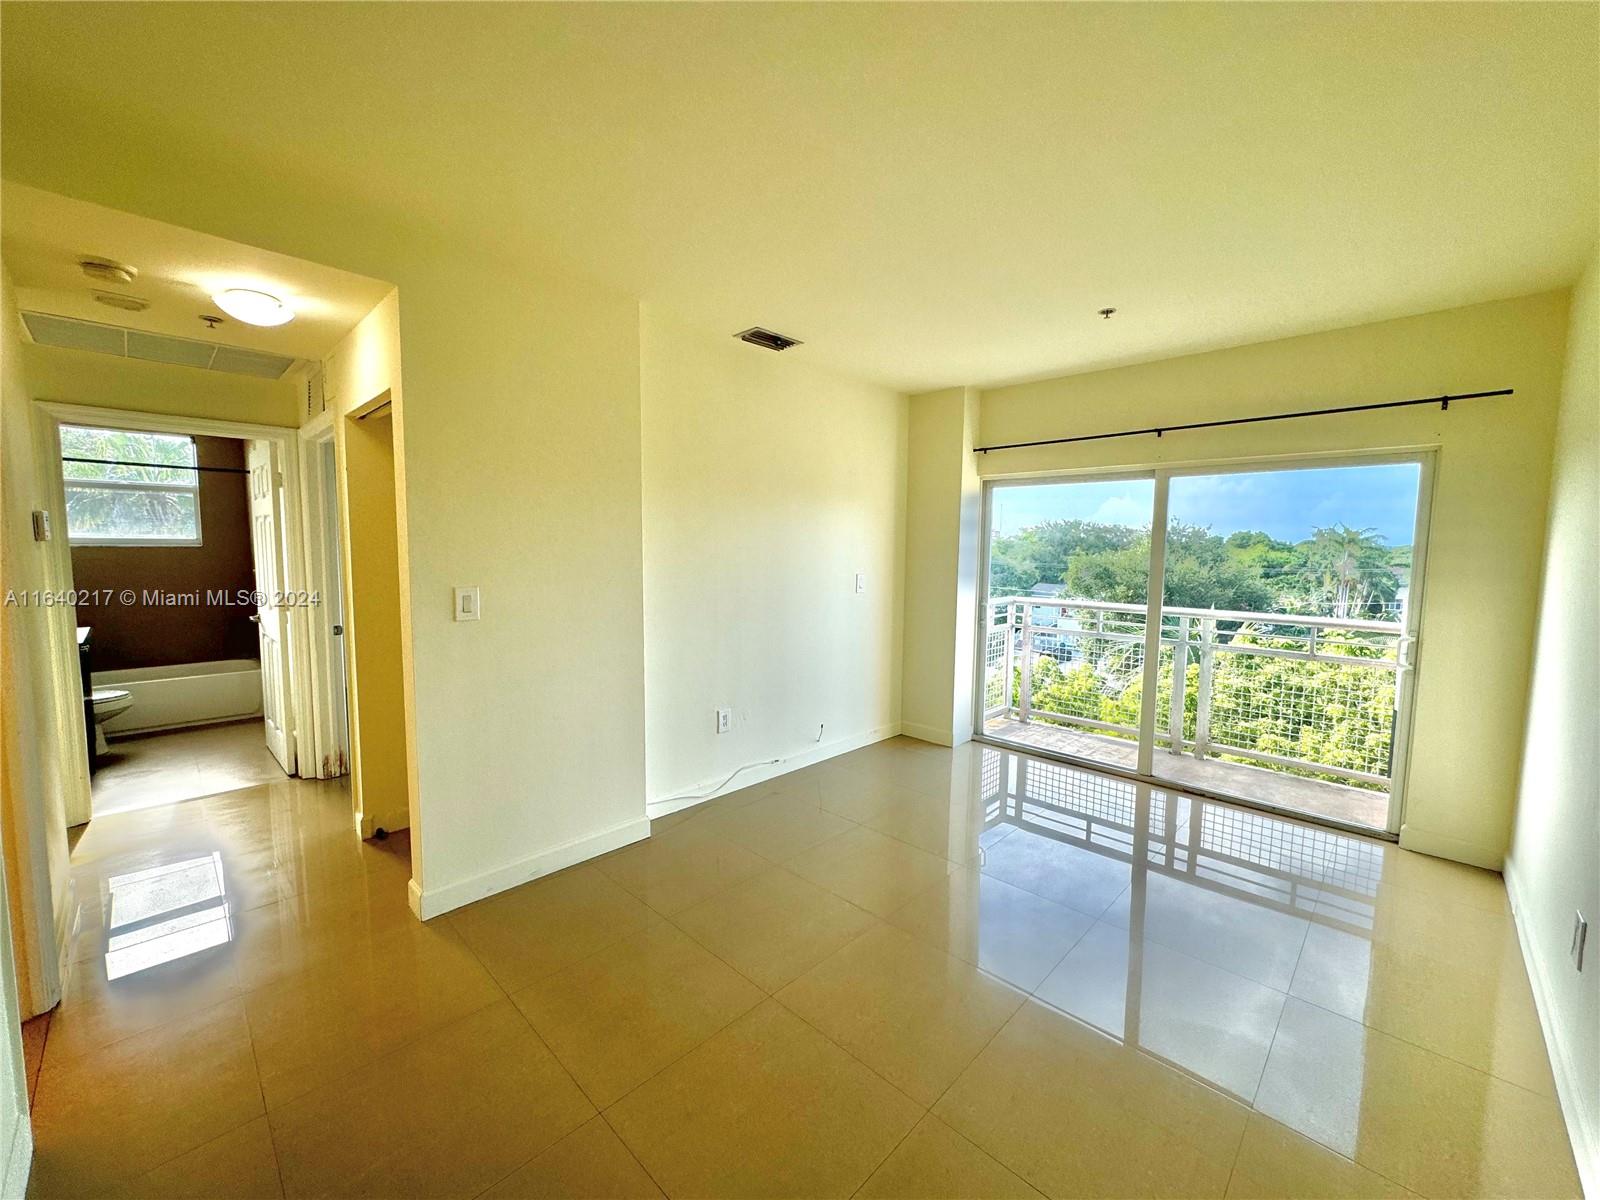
x: 338, y: 631
x: 256, y: 617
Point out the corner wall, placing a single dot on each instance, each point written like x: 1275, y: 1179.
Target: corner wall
x: 41, y: 715
x: 1484, y: 555
x: 362, y: 388
x: 943, y: 497
x: 767, y: 486
x: 1554, y: 866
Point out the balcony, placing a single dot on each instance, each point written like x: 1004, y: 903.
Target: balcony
x: 1298, y: 712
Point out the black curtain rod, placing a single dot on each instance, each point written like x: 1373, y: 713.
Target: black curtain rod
x: 1442, y: 401
x: 117, y: 462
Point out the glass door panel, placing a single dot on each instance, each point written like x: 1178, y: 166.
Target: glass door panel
x: 1065, y: 617
x: 1285, y: 630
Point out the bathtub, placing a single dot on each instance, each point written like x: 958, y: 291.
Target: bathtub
x: 185, y: 694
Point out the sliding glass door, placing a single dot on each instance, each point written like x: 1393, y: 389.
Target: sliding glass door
x: 1069, y: 573
x: 1270, y: 666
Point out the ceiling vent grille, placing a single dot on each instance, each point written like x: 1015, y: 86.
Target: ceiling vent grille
x: 766, y: 339
x: 72, y: 334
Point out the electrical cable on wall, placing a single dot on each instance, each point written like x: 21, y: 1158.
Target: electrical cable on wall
x: 765, y: 762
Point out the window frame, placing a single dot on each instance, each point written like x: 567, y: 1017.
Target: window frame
x: 69, y: 483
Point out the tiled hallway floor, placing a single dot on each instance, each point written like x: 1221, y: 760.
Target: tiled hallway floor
x: 905, y: 972
x: 183, y: 764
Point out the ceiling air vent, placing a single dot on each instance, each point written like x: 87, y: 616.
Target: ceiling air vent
x: 73, y: 334
x: 125, y: 303
x: 766, y: 339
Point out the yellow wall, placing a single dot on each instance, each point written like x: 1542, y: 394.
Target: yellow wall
x: 767, y: 486
x: 373, y: 641
x: 942, y: 514
x: 362, y: 375
x: 106, y: 381
x: 41, y: 714
x: 1490, y: 488
x: 1554, y: 867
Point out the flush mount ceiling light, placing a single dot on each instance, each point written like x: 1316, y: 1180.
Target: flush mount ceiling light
x: 253, y: 307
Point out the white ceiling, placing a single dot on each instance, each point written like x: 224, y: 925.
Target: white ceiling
x: 927, y: 194
x: 45, y: 236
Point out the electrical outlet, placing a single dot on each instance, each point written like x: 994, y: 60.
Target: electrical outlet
x: 1580, y: 935
x: 724, y: 720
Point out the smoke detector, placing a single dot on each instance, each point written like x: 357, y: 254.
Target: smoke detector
x: 125, y: 303
x: 106, y: 271
x: 766, y: 339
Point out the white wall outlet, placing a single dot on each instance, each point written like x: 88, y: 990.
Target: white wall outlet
x: 468, y: 607
x: 41, y: 525
x: 861, y: 582
x: 724, y: 720
x: 1580, y: 935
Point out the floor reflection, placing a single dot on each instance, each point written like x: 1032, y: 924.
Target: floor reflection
x: 1200, y: 909
x: 165, y: 913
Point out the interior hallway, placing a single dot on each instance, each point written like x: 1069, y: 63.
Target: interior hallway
x: 185, y: 764
x: 907, y: 971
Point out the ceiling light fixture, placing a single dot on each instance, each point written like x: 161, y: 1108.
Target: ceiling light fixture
x: 253, y: 307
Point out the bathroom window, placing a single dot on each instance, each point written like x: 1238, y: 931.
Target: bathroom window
x: 126, y: 488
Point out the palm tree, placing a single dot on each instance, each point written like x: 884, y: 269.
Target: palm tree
x: 1346, y: 557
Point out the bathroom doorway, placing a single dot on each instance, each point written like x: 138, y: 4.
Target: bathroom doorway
x: 173, y: 541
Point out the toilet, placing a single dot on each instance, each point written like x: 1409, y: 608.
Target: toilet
x: 108, y: 703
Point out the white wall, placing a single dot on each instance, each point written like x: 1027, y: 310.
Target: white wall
x: 41, y: 713
x: 1489, y: 498
x: 943, y: 499
x: 521, y: 477
x: 33, y: 826
x: 106, y: 381
x: 1554, y: 867
x: 767, y: 486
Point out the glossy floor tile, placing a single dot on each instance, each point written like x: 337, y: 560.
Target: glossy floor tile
x: 906, y: 971
x: 160, y: 768
x: 768, y: 1107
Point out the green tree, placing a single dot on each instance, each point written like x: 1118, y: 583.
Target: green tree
x: 1353, y: 570
x: 1200, y: 573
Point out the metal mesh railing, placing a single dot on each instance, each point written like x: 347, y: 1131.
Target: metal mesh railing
x: 1309, y: 696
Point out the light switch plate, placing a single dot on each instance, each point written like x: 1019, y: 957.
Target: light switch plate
x: 468, y: 607
x: 861, y: 582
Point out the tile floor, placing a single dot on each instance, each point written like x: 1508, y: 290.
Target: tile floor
x: 906, y: 972
x: 159, y: 768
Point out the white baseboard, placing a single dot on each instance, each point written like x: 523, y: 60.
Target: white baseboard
x: 1440, y: 845
x: 19, y: 1159
x: 766, y: 771
x: 927, y: 733
x: 428, y: 903
x: 1581, y: 1121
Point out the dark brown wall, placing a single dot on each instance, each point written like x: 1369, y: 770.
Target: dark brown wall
x: 141, y: 635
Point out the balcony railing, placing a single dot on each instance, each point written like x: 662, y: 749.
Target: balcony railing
x: 1308, y: 695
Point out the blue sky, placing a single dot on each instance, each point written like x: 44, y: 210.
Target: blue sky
x: 1288, y: 505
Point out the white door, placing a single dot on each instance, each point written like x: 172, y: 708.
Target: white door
x: 266, y: 517
x: 334, y: 608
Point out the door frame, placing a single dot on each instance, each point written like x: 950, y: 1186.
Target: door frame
x: 327, y: 728
x: 1424, y: 457
x: 53, y: 414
